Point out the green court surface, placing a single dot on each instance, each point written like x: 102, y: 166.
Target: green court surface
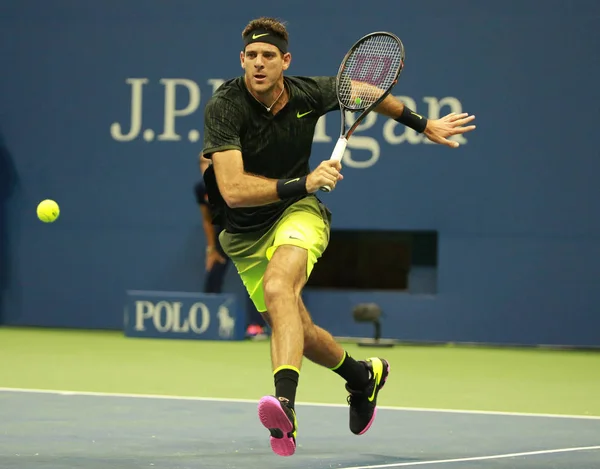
x: 467, y: 378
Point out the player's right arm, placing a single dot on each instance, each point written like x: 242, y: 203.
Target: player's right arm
x: 238, y: 188
x: 222, y: 128
x: 241, y: 189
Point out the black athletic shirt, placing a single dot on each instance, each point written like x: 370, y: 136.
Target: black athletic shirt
x: 273, y: 146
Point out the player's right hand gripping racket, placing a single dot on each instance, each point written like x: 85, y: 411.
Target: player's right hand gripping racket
x: 366, y: 76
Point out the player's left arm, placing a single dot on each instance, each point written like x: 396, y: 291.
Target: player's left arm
x: 436, y: 130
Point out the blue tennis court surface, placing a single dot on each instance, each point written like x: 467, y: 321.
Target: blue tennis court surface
x: 66, y: 430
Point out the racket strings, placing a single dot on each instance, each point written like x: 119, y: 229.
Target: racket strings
x: 369, y: 71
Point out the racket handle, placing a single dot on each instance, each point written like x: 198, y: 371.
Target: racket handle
x: 337, y: 155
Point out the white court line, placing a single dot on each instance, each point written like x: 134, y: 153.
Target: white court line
x: 312, y: 404
x: 478, y: 458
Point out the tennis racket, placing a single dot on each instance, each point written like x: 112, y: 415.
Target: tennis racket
x: 367, y: 74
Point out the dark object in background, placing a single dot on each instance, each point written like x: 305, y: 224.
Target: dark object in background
x: 371, y: 312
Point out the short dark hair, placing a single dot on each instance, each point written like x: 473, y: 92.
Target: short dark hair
x: 273, y: 25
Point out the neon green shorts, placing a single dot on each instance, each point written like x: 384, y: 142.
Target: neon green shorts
x: 305, y: 224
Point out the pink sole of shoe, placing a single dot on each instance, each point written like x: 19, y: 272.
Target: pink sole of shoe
x: 272, y: 416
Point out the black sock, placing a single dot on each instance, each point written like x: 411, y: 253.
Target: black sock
x: 355, y: 373
x: 286, y: 382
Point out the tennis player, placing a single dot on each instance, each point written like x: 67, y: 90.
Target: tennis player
x: 258, y: 132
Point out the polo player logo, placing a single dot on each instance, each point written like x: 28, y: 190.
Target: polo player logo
x: 226, y: 322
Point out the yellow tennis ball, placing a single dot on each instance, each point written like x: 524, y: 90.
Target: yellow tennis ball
x: 48, y: 211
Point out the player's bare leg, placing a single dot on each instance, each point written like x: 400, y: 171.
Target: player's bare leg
x: 283, y: 281
x: 364, y: 379
x: 320, y: 347
x: 282, y: 285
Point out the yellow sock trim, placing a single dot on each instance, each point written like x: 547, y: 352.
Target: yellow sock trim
x: 286, y: 367
x: 340, y: 363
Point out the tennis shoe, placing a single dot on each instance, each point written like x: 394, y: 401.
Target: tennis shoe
x: 363, y: 403
x: 280, y: 419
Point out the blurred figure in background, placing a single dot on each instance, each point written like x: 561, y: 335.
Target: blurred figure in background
x: 217, y: 261
x: 8, y: 181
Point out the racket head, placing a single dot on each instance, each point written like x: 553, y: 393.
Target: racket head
x: 369, y: 71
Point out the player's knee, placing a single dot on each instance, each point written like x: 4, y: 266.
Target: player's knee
x: 277, y: 287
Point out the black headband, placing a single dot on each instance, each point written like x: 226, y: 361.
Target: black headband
x: 262, y: 35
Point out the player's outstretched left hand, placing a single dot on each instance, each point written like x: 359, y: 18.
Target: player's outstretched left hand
x: 438, y: 130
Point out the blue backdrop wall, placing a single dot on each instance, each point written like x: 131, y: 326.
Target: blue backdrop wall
x: 101, y: 109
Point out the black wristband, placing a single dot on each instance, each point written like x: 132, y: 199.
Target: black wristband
x: 413, y: 120
x: 288, y: 188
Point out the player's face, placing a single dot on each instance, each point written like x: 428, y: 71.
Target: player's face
x: 264, y: 65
